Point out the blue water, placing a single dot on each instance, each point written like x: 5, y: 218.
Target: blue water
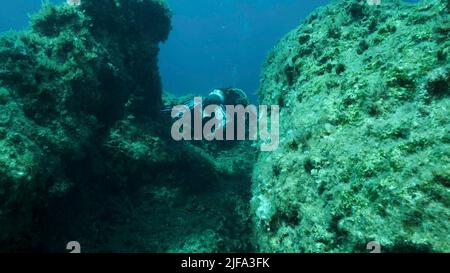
x: 223, y: 43
x: 214, y: 43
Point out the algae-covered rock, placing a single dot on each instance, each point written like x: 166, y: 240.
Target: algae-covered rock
x: 63, y: 83
x: 188, y: 197
x: 86, y: 153
x: 364, y: 140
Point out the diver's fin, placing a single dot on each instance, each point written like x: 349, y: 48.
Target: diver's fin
x: 167, y: 109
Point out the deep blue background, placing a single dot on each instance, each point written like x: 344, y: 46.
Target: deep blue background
x: 223, y: 43
x: 214, y: 43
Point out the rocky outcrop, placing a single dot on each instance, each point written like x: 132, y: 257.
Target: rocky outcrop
x: 364, y: 148
x: 86, y: 154
x: 63, y: 84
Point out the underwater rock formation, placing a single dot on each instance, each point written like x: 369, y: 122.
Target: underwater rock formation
x: 364, y: 151
x: 85, y: 152
x: 63, y: 84
x: 365, y: 132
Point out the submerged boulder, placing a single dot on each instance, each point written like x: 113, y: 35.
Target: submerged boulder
x: 86, y: 154
x: 64, y: 83
x: 364, y: 139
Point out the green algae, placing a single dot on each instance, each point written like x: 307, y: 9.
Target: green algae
x: 85, y: 152
x: 364, y: 151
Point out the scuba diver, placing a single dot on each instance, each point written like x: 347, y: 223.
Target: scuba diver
x: 227, y: 96
x: 213, y: 116
x: 220, y: 97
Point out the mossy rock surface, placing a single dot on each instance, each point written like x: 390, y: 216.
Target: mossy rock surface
x: 64, y: 83
x: 85, y: 152
x: 364, y: 141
